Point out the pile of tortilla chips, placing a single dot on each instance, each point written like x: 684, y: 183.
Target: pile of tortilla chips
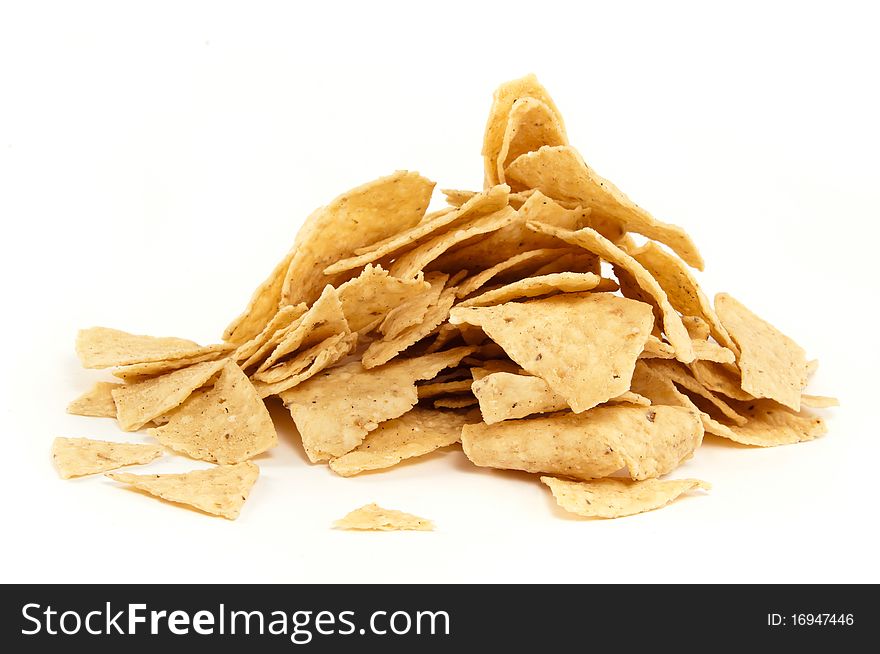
x: 546, y: 323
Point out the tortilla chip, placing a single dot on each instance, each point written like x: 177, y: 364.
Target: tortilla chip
x: 503, y: 99
x: 263, y: 305
x: 770, y: 424
x: 221, y: 490
x: 137, y: 404
x: 680, y: 375
x: 530, y: 125
x: 443, y: 388
x: 281, y: 320
x: 102, y: 347
x: 681, y: 288
x: 336, y: 409
x: 372, y: 517
x: 324, y: 319
x: 584, y: 345
x: 364, y: 215
x: 457, y: 402
x: 303, y: 359
x: 413, y: 434
x: 711, y: 351
x: 647, y: 441
x: 140, y: 371
x: 536, y: 287
x: 616, y: 498
x: 772, y: 365
x: 456, y: 198
x: 412, y: 311
x: 719, y: 379
x: 415, y: 260
x: 572, y: 261
x: 525, y: 258
x: 819, y: 401
x: 97, y: 402
x: 227, y: 423
x: 75, y: 457
x: 560, y: 173
x: 697, y: 328
x: 309, y: 363
x: 591, y: 240
x: 657, y: 349
x: 482, y: 204
x: 380, y: 352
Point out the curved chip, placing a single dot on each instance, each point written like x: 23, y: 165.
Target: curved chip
x: 560, y: 173
x: 372, y: 517
x: 616, y: 498
x: 530, y: 125
x: 528, y: 287
x: 646, y: 441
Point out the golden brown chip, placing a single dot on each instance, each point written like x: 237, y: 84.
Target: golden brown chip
x: 137, y: 404
x: 530, y: 125
x: 681, y: 376
x: 443, y: 388
x: 646, y: 441
x: 102, y: 347
x: 681, y: 289
x: 697, y: 328
x: 819, y: 401
x: 593, y: 241
x: 380, y: 352
x: 415, y: 260
x: 772, y: 365
x: 572, y: 261
x: 324, y: 319
x: 308, y: 363
x: 477, y: 281
x: 657, y: 349
x: 227, y: 423
x: 412, y: 311
x: 372, y: 517
x: 560, y: 173
x: 535, y: 287
x: 75, y: 457
x: 769, y: 424
x: 140, y: 371
x: 584, y: 345
x: 336, y: 409
x: 455, y: 402
x: 263, y: 305
x: 413, y: 434
x: 364, y: 215
x: 711, y: 351
x: 97, y: 402
x: 370, y: 297
x: 456, y: 198
x: 616, y: 498
x: 482, y: 204
x: 284, y: 318
x: 719, y: 379
x: 221, y: 490
x: 502, y: 102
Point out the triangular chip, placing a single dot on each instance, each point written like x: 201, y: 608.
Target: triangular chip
x: 75, y: 457
x: 682, y: 289
x: 531, y: 124
x: 593, y: 241
x: 719, y: 379
x: 413, y: 434
x: 412, y: 311
x: 263, y: 305
x: 770, y: 424
x: 137, y: 404
x: 584, y: 345
x: 102, y: 347
x: 221, y: 490
x: 372, y: 517
x: 140, y: 371
x: 681, y: 376
x: 516, y: 262
x: 363, y: 215
x: 307, y: 364
x: 380, y: 352
x: 616, y: 498
x: 325, y: 318
x: 336, y: 409
x: 97, y: 402
x: 502, y: 102
x: 819, y: 401
x: 646, y: 441
x: 284, y: 318
x: 772, y: 365
x: 227, y: 423
x: 482, y: 204
x: 560, y: 173
x: 375, y: 294
x: 566, y: 282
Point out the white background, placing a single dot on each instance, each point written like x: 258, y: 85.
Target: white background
x: 157, y: 158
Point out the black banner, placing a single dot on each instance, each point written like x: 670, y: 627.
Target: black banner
x: 433, y: 618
